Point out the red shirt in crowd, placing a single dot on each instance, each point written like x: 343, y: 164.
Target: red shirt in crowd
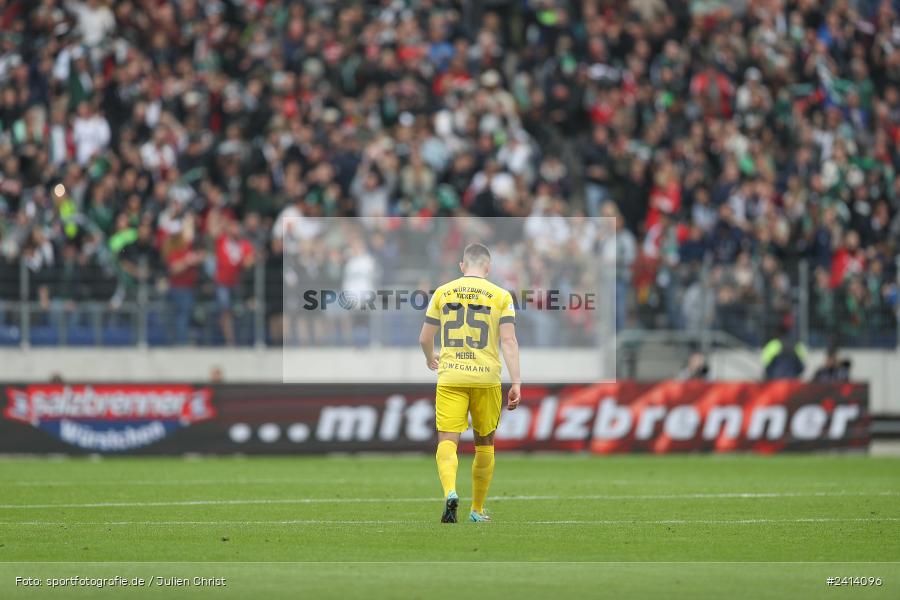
x: 716, y: 88
x: 230, y: 257
x: 186, y: 278
x: 843, y: 263
x: 666, y: 199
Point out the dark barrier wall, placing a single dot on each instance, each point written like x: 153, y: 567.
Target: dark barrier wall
x: 669, y: 416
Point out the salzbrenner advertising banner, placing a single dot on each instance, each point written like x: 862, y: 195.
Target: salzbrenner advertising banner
x: 668, y: 416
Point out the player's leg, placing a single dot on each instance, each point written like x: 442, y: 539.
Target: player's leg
x: 485, y: 408
x: 448, y: 464
x: 451, y: 409
x: 482, y: 475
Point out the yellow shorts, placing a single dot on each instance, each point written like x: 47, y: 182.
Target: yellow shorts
x: 453, y: 404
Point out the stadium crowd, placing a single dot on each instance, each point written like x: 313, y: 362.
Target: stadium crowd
x: 734, y: 140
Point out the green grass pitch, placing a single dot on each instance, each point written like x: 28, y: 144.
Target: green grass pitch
x: 367, y: 526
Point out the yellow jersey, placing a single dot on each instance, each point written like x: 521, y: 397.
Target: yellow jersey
x: 469, y: 311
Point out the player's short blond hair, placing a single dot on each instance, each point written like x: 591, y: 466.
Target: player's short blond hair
x: 476, y: 254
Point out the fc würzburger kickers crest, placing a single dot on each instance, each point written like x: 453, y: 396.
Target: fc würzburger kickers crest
x: 109, y: 418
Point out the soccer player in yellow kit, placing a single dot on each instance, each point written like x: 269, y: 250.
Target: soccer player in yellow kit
x: 476, y: 319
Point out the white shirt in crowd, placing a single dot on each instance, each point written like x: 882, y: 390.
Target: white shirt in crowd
x: 91, y: 134
x: 546, y: 229
x: 293, y: 227
x: 95, y: 20
x: 155, y: 157
x: 360, y: 273
x: 503, y: 184
x: 58, y: 150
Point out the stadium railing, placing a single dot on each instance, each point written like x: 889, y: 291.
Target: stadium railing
x: 699, y: 306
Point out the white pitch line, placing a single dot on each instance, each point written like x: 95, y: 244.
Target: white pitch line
x: 177, y: 482
x: 422, y: 522
x: 555, y: 498
x: 288, y: 522
x: 720, y: 521
x: 303, y: 481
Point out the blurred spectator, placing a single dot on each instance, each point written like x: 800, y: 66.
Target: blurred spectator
x: 834, y: 369
x: 783, y: 357
x: 95, y: 20
x: 182, y: 264
x: 597, y: 169
x: 234, y: 254
x: 625, y: 254
x: 139, y: 258
x: 90, y: 133
x: 696, y: 368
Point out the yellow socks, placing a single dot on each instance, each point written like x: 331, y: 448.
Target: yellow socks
x: 482, y: 473
x: 447, y: 464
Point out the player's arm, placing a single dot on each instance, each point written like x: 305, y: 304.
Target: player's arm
x: 429, y: 328
x: 509, y: 345
x: 426, y: 340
